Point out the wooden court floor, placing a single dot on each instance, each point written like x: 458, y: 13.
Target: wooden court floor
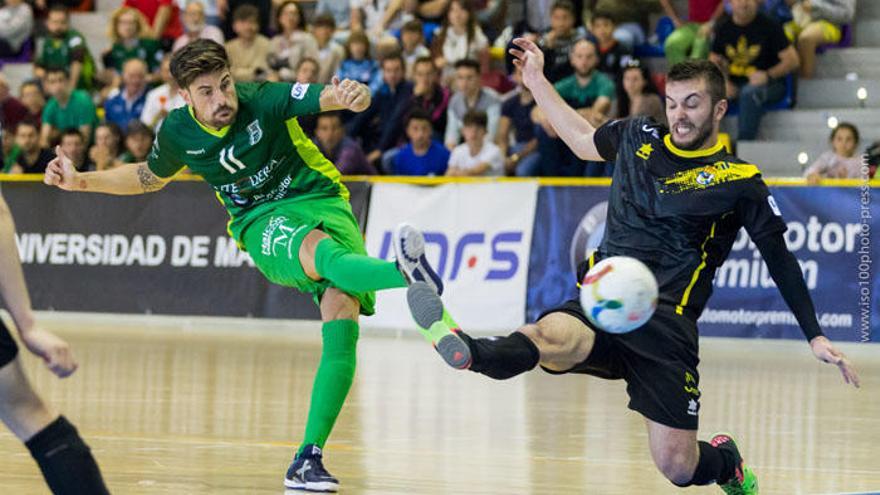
x: 218, y: 406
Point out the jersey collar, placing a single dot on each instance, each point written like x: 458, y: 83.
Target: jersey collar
x: 667, y: 140
x: 216, y: 133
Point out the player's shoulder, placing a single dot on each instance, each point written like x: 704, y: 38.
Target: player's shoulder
x: 175, y: 123
x: 641, y: 128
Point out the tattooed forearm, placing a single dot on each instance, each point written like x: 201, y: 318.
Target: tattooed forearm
x: 148, y: 181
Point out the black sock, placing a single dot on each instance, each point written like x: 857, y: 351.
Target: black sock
x: 502, y: 357
x: 66, y: 462
x: 715, y: 466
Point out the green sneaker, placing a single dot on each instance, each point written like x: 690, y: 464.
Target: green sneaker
x: 437, y: 326
x: 744, y: 481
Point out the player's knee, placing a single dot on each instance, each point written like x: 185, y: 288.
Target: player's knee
x: 307, y: 252
x: 337, y: 305
x: 677, y: 466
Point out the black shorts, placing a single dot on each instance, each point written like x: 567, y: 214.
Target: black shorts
x: 8, y: 348
x: 658, y: 362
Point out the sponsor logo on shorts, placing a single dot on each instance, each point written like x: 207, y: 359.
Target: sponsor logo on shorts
x: 277, y: 236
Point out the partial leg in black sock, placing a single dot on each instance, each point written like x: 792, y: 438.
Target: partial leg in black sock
x: 502, y: 357
x: 715, y: 465
x: 65, y: 460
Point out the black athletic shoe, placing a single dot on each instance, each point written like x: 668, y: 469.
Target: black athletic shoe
x: 307, y: 473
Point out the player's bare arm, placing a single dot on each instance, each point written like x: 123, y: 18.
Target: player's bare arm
x: 787, y: 274
x: 54, y: 351
x: 128, y: 179
x: 573, y: 128
x: 345, y: 95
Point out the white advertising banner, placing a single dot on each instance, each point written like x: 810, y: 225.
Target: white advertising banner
x: 477, y: 238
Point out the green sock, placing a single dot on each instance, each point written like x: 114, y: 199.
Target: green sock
x: 332, y: 381
x: 355, y: 273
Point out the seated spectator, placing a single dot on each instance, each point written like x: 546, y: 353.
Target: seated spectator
x: 339, y: 11
x: 632, y: 18
x: 817, y: 23
x: 126, y: 103
x: 163, y: 18
x: 470, y: 95
x: 196, y: 26
x: 293, y: 43
x: 162, y: 100
x: 64, y: 48
x: 210, y: 14
x: 330, y: 53
x: 690, y: 40
x: 460, y: 38
x: 249, y: 52
x: 66, y: 109
x: 612, y: 55
x: 31, y: 96
x: 588, y: 91
x: 16, y: 24
x: 106, y: 152
x: 557, y: 42
x: 842, y: 161
x: 422, y: 155
x: 129, y: 32
x: 340, y: 149
x: 412, y: 42
x: 74, y: 146
x: 358, y: 65
x: 476, y: 155
x: 12, y: 111
x: 756, y: 55
x: 264, y: 10
x: 637, y: 95
x: 376, y: 18
x: 379, y: 126
x: 516, y: 133
x: 430, y: 96
x: 138, y: 140
x: 307, y: 71
x: 30, y: 157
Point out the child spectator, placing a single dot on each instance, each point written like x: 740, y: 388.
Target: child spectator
x: 430, y: 96
x: 816, y: 23
x: 249, y: 52
x: 516, y: 134
x: 64, y: 48
x: 130, y: 33
x: 470, y: 95
x: 460, y: 38
x: 66, y: 109
x: 16, y: 24
x: 196, y: 26
x: 612, y: 55
x: 105, y: 153
x: 163, y: 99
x: 30, y: 158
x: 412, y: 39
x: 127, y: 102
x: 637, y: 95
x: 477, y: 155
x: 422, y: 155
x: 358, y: 65
x: 841, y: 162
x: 330, y: 53
x: 340, y: 149
x: 557, y: 42
x: 138, y: 141
x: 293, y: 43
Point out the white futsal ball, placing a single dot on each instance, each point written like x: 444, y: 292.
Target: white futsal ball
x: 619, y: 294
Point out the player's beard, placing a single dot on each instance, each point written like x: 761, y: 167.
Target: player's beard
x: 703, y: 133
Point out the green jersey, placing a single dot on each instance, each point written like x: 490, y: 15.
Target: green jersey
x: 145, y: 49
x: 261, y: 158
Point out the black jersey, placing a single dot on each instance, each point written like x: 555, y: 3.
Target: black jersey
x: 678, y: 211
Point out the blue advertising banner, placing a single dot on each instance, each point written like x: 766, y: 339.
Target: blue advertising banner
x: 829, y: 231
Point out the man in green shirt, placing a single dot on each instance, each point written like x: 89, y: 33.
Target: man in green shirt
x: 287, y: 206
x: 65, y: 109
x: 65, y: 48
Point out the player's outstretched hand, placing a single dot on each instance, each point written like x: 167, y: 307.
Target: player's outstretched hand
x: 530, y: 59
x: 351, y: 94
x: 825, y: 351
x: 60, y: 171
x: 54, y: 351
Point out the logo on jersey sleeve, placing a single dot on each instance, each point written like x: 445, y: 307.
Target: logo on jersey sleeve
x: 773, y: 206
x: 645, y: 151
x: 298, y: 91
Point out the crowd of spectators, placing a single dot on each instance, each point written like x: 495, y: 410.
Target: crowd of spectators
x: 446, y: 100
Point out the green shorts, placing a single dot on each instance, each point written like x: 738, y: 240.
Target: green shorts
x: 274, y: 238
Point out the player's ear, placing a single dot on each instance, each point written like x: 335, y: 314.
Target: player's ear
x: 185, y: 95
x: 720, y: 109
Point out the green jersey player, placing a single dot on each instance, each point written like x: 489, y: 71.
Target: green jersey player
x: 287, y: 206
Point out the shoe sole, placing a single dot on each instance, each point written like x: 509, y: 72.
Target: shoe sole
x: 427, y: 311
x: 409, y: 247
x: 323, y: 487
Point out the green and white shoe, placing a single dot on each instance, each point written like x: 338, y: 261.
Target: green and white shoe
x: 437, y: 326
x: 744, y: 481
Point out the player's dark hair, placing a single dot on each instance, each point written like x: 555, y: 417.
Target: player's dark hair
x: 475, y: 117
x: 418, y: 113
x: 845, y: 125
x: 196, y: 59
x: 469, y: 63
x: 414, y: 26
x: 247, y: 12
x: 700, y: 69
x: 565, y: 5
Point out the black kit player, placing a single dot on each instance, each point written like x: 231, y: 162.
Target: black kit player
x: 65, y: 460
x: 677, y: 202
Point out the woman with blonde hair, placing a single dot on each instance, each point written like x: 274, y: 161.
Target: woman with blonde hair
x: 131, y: 37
